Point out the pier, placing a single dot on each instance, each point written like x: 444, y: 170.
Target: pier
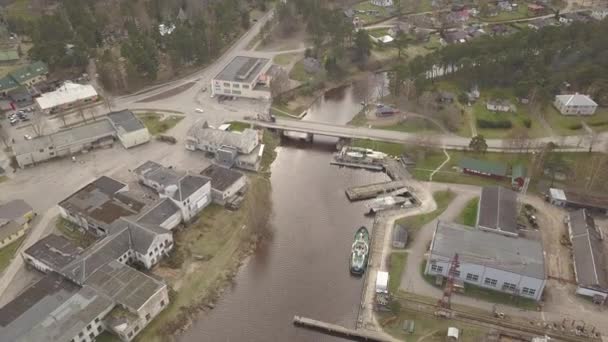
x: 337, y: 330
x: 372, y: 167
x: 373, y: 190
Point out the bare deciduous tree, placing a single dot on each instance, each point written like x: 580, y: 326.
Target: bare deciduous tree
x: 259, y: 207
x: 279, y: 83
x: 4, y: 137
x: 38, y: 123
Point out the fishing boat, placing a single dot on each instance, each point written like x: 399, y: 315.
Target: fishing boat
x: 360, y: 251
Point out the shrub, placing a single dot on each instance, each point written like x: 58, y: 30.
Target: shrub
x: 575, y: 127
x: 598, y: 123
x: 175, y: 259
x: 504, y: 124
x: 527, y: 122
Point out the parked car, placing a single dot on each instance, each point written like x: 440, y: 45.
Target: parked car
x: 27, y: 137
x: 14, y: 122
x: 199, y: 110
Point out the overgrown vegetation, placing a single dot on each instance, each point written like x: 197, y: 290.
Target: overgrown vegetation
x: 468, y: 215
x: 159, y: 123
x: 237, y: 126
x: 73, y: 233
x: 7, y: 253
x: 396, y: 268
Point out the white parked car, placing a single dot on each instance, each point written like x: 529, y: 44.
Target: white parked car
x: 199, y: 110
x: 27, y: 137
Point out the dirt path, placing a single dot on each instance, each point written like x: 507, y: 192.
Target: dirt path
x: 447, y: 159
x: 422, y: 338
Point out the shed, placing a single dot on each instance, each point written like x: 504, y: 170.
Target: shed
x: 483, y: 168
x: 400, y: 236
x: 518, y: 176
x: 453, y: 334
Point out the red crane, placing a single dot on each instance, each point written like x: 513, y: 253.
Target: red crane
x: 446, y: 301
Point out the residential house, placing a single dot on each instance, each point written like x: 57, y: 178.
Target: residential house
x: 497, y: 105
x: 312, y: 65
x: 400, y: 236
x: 382, y: 3
x: 535, y: 9
x: 225, y: 183
x: 30, y: 75
x: 575, y: 104
x: 588, y: 252
x: 504, y: 6
x: 240, y: 149
x: 494, y: 261
x: 497, y: 211
x: 15, y: 217
x: 458, y: 17
x: 20, y: 97
x: 190, y: 193
x: 473, y: 94
x: 484, y: 168
x: 349, y: 13
x: 599, y: 13
x: 500, y: 29
x: 129, y: 129
x: 569, y: 18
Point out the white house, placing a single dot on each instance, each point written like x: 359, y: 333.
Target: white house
x: 599, y: 13
x: 500, y: 106
x: 69, y: 95
x: 589, y: 255
x: 129, y: 129
x: 225, y: 183
x: 494, y: 261
x: 382, y: 3
x: 575, y: 104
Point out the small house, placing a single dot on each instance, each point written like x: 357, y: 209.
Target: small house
x: 400, y: 236
x: 385, y: 39
x: 453, y: 334
x: 575, y: 104
x: 456, y: 37
x: 399, y: 27
x: 382, y: 282
x: 445, y: 97
x: 577, y: 200
x: 505, y: 6
x: 484, y: 168
x: 518, y: 176
x: 500, y: 106
x: 599, y: 13
x: 535, y: 9
x: 473, y: 94
x: 382, y: 3
x: 385, y: 111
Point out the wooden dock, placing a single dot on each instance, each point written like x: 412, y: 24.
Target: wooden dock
x: 337, y: 330
x: 367, y: 166
x: 373, y: 190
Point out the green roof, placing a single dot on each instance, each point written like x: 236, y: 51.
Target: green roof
x: 9, y: 55
x: 484, y: 166
x: 28, y: 72
x: 518, y: 171
x: 7, y: 83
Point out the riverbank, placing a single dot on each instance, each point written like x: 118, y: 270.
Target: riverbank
x: 209, y: 252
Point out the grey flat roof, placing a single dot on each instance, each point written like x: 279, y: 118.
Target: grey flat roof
x: 52, y: 309
x: 126, y: 120
x: 54, y: 250
x: 475, y: 246
x: 124, y: 284
x: 14, y: 210
x: 576, y: 100
x: 158, y: 173
x: 141, y: 235
x: 77, y: 135
x: 242, y: 69
x: 159, y: 213
x: 241, y: 141
x: 588, y: 251
x: 188, y: 185
x: 146, y: 167
x: 221, y: 178
x: 498, y: 209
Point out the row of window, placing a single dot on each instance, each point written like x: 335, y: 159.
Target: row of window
x: 506, y: 286
x: 235, y: 85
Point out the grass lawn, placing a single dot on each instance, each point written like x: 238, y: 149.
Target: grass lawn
x: 71, y: 232
x: 517, y: 119
x: 367, y: 18
x: 388, y: 148
x: 413, y: 223
x: 284, y: 59
x: 298, y: 73
x: 378, y: 32
x: 8, y: 252
x: 427, y: 327
x: 468, y: 215
x: 20, y: 9
x: 520, y: 13
x: 157, y: 126
x: 397, y: 267
x: 413, y: 124
x: 570, y: 125
x: 236, y: 126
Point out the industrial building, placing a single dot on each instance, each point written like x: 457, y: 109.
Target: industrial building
x: 576, y: 200
x: 64, y: 143
x: 225, y: 183
x: 589, y: 254
x: 69, y: 95
x: 494, y: 261
x: 243, y: 77
x: 239, y: 149
x: 497, y: 211
x: 129, y: 129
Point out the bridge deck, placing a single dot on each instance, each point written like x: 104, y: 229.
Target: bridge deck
x: 372, y: 190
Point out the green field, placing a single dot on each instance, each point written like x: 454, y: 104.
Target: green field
x: 397, y: 267
x: 298, y: 73
x: 468, y: 216
x: 157, y: 124
x: 413, y: 124
x: 520, y: 13
x: 569, y: 125
x: 236, y: 126
x: 367, y: 18
x: 284, y: 59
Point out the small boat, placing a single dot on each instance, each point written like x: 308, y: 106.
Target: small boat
x: 360, y: 251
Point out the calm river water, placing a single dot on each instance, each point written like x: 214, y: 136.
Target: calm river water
x: 303, y: 270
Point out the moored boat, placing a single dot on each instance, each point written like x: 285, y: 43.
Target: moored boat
x: 360, y: 251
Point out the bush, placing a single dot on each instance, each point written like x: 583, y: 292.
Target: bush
x: 175, y: 259
x: 527, y: 122
x: 575, y: 127
x: 598, y: 123
x: 504, y: 124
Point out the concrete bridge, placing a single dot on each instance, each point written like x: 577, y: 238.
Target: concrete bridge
x: 577, y: 143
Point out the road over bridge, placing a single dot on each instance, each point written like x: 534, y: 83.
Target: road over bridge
x: 578, y: 143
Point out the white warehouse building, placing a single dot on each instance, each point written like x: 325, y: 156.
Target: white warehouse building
x: 490, y: 260
x: 243, y: 77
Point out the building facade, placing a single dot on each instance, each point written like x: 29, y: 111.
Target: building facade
x: 130, y: 131
x: 68, y: 96
x: 225, y: 183
x: 243, y: 77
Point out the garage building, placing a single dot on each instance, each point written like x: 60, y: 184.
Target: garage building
x: 129, y: 129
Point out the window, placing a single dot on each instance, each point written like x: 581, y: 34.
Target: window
x: 162, y: 303
x: 51, y: 153
x: 92, y: 336
x: 490, y: 282
x: 237, y: 92
x: 472, y: 277
x: 245, y: 86
x: 51, y: 147
x: 99, y: 329
x: 437, y: 269
x: 80, y: 334
x: 147, y: 317
x: 150, y: 254
x: 136, y: 329
x: 528, y: 291
x: 41, y: 150
x: 457, y: 274
x: 89, y: 327
x: 236, y: 85
x: 508, y: 287
x: 226, y: 84
x: 130, y: 334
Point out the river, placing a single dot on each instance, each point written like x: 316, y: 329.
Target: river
x: 303, y: 269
